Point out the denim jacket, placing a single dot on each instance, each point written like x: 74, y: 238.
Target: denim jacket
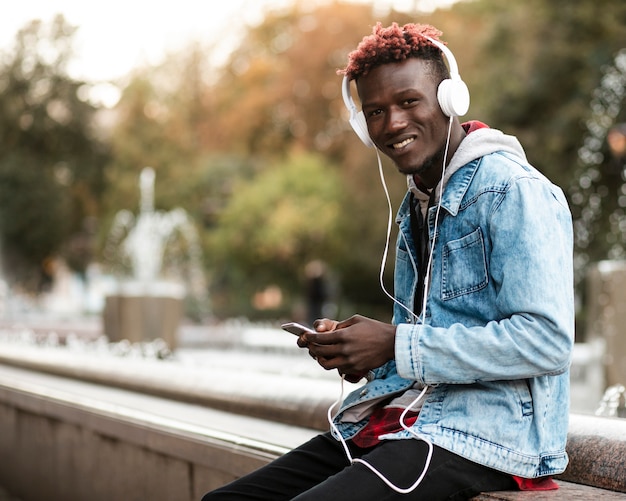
x: 495, y: 344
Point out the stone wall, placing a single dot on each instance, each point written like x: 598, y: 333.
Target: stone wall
x: 69, y: 440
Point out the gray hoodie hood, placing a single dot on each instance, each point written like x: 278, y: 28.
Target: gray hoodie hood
x: 476, y: 144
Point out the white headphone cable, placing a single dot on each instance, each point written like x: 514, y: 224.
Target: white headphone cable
x: 352, y: 460
x: 330, y: 416
x: 427, y: 277
x: 390, y: 222
x: 387, y: 240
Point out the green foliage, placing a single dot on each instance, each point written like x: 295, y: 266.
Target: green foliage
x: 280, y: 92
x: 544, y: 59
x: 31, y: 232
x: 50, y: 161
x: 273, y: 224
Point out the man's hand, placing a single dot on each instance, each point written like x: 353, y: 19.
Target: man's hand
x: 352, y: 346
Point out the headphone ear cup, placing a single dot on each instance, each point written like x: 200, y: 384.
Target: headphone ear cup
x: 453, y: 96
x: 357, y: 118
x: 358, y: 123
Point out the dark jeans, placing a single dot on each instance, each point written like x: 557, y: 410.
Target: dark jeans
x: 319, y: 471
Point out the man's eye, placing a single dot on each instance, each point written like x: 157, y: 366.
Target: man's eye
x: 373, y: 113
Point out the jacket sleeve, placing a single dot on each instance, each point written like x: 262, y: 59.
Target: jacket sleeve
x: 530, y: 275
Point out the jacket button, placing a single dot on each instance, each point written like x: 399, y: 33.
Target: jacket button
x: 364, y: 392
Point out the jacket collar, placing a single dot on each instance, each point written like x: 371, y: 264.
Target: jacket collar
x: 457, y: 186
x: 453, y: 192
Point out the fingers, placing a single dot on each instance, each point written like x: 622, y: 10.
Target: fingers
x: 330, y: 331
x: 325, y: 325
x: 354, y: 319
x: 330, y: 345
x: 327, y: 349
x: 328, y: 363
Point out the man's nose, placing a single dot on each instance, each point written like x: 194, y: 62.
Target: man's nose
x: 397, y: 119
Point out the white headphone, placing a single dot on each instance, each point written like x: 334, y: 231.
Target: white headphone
x: 452, y: 95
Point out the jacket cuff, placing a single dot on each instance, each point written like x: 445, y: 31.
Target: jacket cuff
x: 407, y: 363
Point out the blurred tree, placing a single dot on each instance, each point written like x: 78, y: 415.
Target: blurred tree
x: 268, y: 97
x: 279, y: 92
x: 545, y: 58
x: 157, y: 124
x: 51, y: 160
x: 598, y: 190
x: 286, y: 216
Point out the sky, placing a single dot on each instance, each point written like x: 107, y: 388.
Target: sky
x: 117, y: 36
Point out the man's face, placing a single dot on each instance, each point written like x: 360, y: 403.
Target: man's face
x: 404, y: 119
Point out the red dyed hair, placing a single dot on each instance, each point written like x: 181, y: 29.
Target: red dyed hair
x: 392, y: 44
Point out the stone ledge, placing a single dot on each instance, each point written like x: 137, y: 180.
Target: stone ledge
x: 88, y: 441
x: 597, y: 450
x: 567, y: 491
x: 597, y: 446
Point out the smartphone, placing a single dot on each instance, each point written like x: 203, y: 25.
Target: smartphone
x: 297, y: 329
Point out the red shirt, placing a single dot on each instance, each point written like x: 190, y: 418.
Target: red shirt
x: 387, y: 420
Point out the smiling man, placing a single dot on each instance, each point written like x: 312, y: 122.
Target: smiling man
x: 468, y: 387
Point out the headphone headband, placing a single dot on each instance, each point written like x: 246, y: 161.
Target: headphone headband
x: 454, y: 68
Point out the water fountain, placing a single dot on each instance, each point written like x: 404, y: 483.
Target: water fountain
x: 157, y: 259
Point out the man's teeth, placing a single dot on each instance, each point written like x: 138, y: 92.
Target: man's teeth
x: 402, y: 144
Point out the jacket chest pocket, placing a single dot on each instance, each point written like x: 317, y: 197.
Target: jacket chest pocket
x: 464, y: 266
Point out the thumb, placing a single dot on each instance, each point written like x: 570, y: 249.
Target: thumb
x: 325, y: 325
